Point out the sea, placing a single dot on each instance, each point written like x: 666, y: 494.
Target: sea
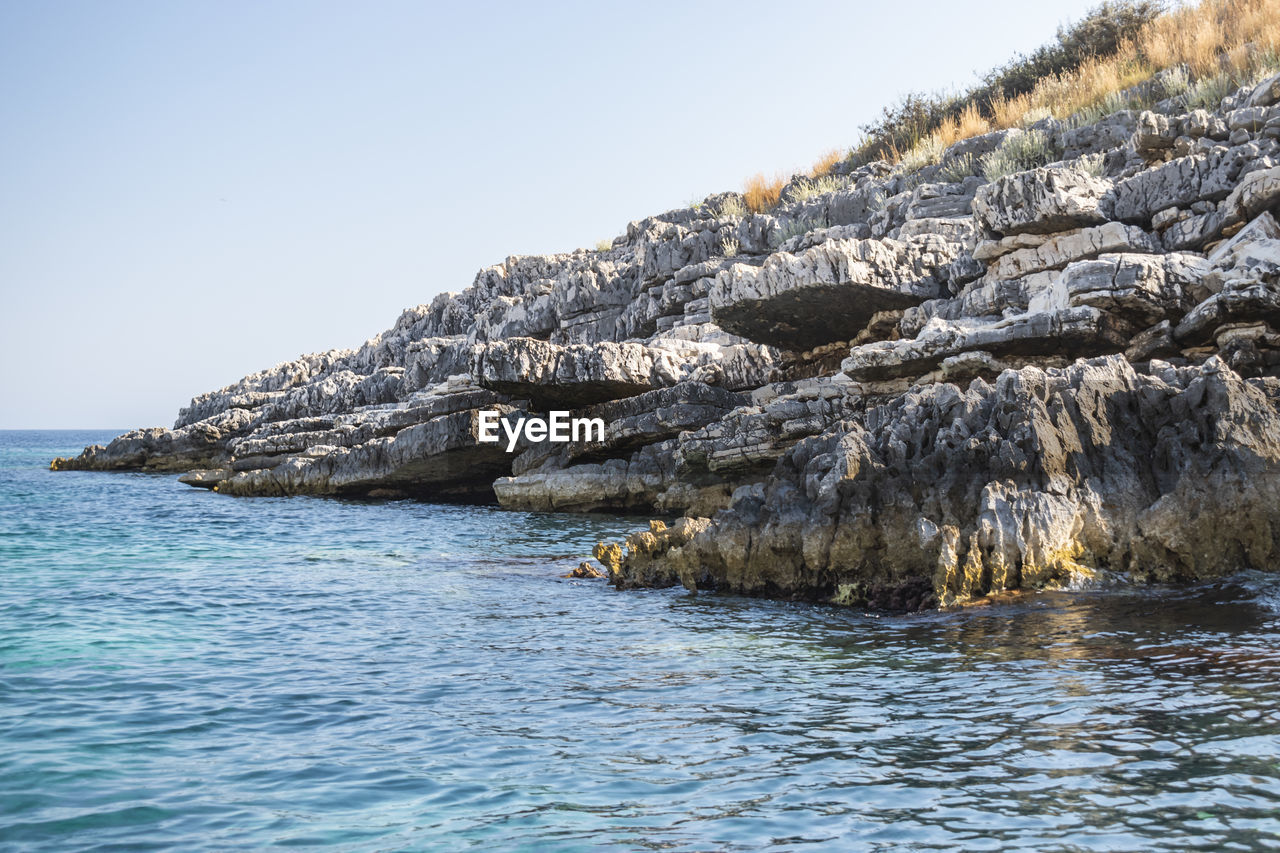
x: 182, y: 670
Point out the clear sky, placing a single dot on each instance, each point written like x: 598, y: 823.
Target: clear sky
x: 192, y: 191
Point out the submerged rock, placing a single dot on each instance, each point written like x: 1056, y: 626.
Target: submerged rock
x: 210, y: 479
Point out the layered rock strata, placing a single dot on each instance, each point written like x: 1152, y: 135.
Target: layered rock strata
x: 908, y: 391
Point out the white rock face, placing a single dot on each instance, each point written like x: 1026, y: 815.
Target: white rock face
x: 1043, y: 201
x: 572, y: 375
x: 829, y: 292
x: 1058, y: 250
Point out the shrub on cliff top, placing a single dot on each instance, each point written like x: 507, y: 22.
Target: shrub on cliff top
x: 958, y: 169
x: 1017, y: 153
x: 807, y: 188
x: 1101, y: 33
x: 1222, y: 43
x: 731, y: 207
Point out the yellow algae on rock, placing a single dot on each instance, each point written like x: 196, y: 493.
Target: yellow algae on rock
x: 848, y: 594
x: 610, y: 556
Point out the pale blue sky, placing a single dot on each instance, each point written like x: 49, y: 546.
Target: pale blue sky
x: 192, y: 191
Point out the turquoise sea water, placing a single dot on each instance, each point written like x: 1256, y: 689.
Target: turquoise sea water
x: 182, y: 670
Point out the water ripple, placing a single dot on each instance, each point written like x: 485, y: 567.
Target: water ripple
x: 179, y: 670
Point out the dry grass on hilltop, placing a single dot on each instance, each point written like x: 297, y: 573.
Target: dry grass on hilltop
x: 1234, y: 40
x: 1219, y: 45
x: 827, y: 162
x: 762, y: 193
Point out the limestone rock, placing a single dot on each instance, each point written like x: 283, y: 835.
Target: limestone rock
x: 441, y: 459
x: 1266, y: 93
x: 953, y: 230
x: 1109, y: 133
x: 1155, y: 134
x: 1141, y: 289
x: 1061, y: 249
x: 258, y: 388
x: 648, y: 556
x: 644, y: 419
x: 1043, y: 478
x: 1068, y: 331
x: 749, y: 439
x: 941, y: 201
x: 206, y: 479
x: 585, y: 570
x: 830, y: 292
x: 1042, y: 201
x: 961, y: 449
x: 1178, y: 183
x: 1257, y: 193
x: 571, y: 376
x: 647, y: 479
x: 1155, y: 342
x: 199, y: 445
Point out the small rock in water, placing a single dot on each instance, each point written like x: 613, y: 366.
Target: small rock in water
x: 585, y: 570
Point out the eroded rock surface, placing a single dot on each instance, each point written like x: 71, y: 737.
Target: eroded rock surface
x: 1042, y: 477
x: 904, y: 391
x: 829, y: 292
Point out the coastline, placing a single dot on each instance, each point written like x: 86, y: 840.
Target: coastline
x: 915, y: 389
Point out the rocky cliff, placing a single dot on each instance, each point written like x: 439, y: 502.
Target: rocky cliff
x: 895, y: 388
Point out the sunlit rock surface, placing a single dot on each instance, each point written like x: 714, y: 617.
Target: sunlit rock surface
x: 907, y: 391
